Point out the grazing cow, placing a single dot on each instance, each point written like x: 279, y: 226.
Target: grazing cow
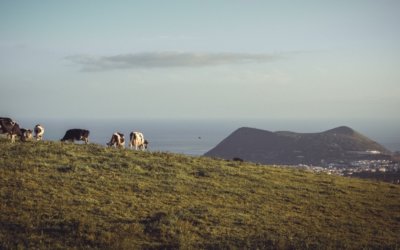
x: 118, y: 140
x: 10, y: 128
x: 9, y: 120
x: 137, y: 140
x: 76, y: 134
x: 39, y: 131
x: 26, y: 133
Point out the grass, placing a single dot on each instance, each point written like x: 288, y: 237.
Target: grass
x: 55, y: 196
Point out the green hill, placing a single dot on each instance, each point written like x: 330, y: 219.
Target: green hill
x: 55, y: 195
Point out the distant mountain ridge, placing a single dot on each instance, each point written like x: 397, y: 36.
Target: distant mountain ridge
x: 337, y: 145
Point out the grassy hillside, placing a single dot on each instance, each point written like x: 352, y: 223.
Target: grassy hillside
x: 55, y: 195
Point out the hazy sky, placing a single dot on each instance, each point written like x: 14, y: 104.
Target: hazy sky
x: 204, y: 59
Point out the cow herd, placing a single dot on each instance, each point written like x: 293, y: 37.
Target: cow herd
x: 136, y: 141
x: 12, y: 129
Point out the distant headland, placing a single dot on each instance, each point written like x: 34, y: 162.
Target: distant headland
x: 340, y: 145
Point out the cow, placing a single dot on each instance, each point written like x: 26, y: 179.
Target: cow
x: 39, y: 131
x: 26, y: 133
x: 137, y: 140
x: 10, y: 128
x: 9, y: 120
x: 117, y: 140
x: 76, y: 134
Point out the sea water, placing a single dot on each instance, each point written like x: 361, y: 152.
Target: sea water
x: 184, y: 136
x: 197, y: 136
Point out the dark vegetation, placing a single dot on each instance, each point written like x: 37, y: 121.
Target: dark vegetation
x: 55, y: 195
x: 339, y: 145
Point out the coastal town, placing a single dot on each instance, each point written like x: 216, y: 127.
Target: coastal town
x: 380, y: 169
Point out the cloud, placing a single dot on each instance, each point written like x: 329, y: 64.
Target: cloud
x: 167, y: 60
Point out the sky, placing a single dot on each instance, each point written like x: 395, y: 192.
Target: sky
x: 173, y: 59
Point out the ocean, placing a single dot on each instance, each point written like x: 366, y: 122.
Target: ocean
x: 196, y: 136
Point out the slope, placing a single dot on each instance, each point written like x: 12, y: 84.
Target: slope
x: 55, y: 196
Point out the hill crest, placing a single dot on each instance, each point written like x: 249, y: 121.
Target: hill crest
x: 344, y: 130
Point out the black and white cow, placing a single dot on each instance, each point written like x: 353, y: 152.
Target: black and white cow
x: 117, y: 140
x: 7, y: 122
x: 39, y: 131
x: 26, y: 133
x: 137, y: 140
x: 7, y: 119
x: 11, y: 128
x: 76, y: 134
